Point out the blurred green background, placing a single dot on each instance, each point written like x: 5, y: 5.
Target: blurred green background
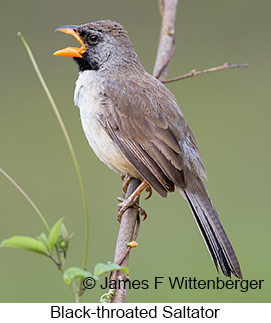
x: 229, y: 112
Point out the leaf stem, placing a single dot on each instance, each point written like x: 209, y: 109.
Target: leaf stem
x: 67, y: 138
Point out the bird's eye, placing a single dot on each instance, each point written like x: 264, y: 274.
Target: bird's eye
x: 94, y: 38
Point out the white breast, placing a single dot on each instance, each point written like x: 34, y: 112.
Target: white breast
x: 86, y: 93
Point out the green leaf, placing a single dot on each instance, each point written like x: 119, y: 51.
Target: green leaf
x: 26, y: 243
x: 100, y: 269
x: 43, y: 238
x: 74, y: 272
x: 54, y: 234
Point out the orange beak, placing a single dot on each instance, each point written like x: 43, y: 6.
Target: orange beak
x: 71, y: 51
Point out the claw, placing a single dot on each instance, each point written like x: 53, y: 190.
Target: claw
x: 149, y: 190
x: 143, y: 213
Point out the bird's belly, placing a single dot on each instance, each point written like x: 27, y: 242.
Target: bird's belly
x: 103, y: 146
x: 85, y: 97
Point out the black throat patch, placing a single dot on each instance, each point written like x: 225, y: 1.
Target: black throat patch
x: 86, y: 64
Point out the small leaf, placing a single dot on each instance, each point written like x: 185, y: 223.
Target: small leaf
x: 26, y: 243
x: 74, y: 272
x: 100, y: 269
x: 43, y: 238
x: 54, y: 234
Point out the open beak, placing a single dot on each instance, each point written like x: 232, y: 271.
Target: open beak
x: 71, y: 51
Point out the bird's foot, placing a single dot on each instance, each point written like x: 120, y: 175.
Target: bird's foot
x: 131, y: 201
x: 126, y: 203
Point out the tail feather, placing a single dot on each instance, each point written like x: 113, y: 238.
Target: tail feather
x: 210, y: 227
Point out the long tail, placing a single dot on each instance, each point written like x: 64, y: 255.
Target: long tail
x: 210, y: 226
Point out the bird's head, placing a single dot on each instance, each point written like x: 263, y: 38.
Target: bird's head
x: 104, y: 44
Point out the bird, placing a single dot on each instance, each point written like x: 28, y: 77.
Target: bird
x: 135, y: 126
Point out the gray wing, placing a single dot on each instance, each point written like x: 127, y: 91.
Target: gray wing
x: 148, y: 126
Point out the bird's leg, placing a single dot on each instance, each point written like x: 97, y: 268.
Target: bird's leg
x: 130, y: 201
x: 126, y: 181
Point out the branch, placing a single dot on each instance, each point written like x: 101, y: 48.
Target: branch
x: 212, y: 69
x: 126, y: 231
x: 166, y: 45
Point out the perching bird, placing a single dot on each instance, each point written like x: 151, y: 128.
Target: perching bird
x: 135, y: 126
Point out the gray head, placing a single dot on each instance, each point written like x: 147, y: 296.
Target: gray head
x: 105, y: 45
